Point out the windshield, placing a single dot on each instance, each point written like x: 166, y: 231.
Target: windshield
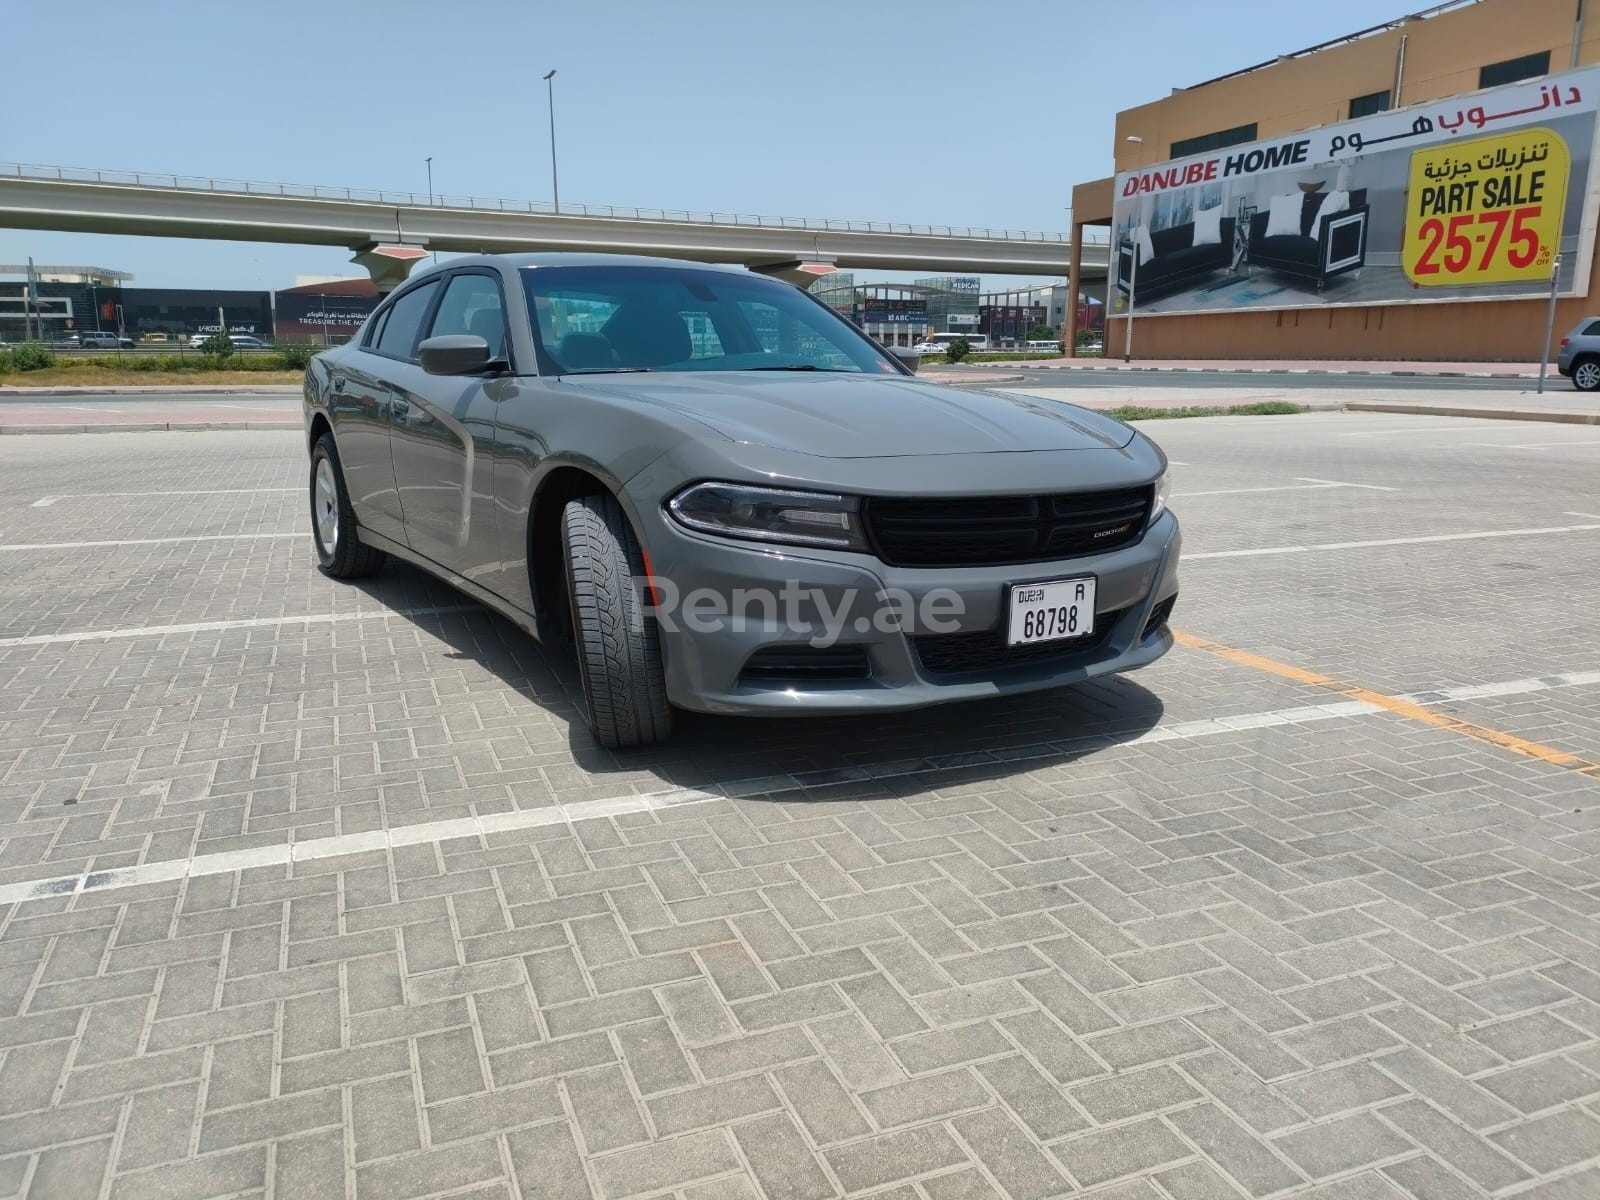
x: 590, y: 320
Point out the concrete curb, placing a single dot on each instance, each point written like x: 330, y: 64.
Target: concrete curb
x: 1270, y: 371
x: 1495, y: 414
x: 969, y: 381
x: 156, y: 427
x: 265, y: 389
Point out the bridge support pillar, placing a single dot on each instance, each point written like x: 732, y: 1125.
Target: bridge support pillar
x: 800, y: 271
x: 389, y: 262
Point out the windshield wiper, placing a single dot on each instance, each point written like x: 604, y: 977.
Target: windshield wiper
x: 607, y: 371
x: 804, y: 367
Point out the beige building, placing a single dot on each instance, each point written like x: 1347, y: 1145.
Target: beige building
x: 1433, y: 56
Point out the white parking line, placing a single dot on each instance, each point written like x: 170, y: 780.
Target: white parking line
x: 1306, y: 484
x: 105, y: 635
x: 47, y: 501
x: 1411, y: 430
x: 1594, y: 516
x: 162, y: 541
x: 89, y: 408
x: 1371, y: 487
x: 487, y: 825
x: 1288, y: 487
x: 1404, y: 541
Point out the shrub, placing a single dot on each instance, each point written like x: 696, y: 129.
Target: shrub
x: 218, y: 345
x: 31, y: 357
x: 297, y: 356
x: 958, y: 349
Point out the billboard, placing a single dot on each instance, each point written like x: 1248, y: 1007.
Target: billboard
x: 1463, y: 199
x: 884, y: 310
x: 314, y: 316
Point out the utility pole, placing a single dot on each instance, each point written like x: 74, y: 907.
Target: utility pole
x: 1549, y: 324
x: 29, y: 307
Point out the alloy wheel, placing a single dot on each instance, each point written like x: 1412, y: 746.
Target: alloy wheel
x: 325, y: 505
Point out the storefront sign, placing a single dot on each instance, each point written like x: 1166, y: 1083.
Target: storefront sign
x: 1469, y: 198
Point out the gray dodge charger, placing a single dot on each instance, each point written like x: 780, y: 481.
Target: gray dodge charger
x: 727, y: 498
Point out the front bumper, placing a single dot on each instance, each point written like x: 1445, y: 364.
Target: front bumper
x: 706, y: 658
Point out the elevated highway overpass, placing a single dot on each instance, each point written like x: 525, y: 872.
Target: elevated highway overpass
x: 386, y: 229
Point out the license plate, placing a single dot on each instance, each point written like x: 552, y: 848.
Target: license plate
x: 1050, y: 612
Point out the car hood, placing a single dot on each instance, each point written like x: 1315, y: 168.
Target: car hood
x: 855, y: 416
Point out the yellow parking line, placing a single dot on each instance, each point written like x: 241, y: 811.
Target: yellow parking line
x: 1404, y: 708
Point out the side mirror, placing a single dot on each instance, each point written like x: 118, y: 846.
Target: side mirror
x: 454, y: 354
x: 910, y: 357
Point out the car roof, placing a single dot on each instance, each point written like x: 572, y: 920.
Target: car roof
x: 554, y: 259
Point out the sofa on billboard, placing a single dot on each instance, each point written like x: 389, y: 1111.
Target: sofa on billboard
x: 1176, y: 258
x: 1311, y: 235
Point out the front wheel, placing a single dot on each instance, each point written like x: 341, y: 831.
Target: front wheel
x: 340, y: 554
x: 618, y: 644
x: 1586, y: 375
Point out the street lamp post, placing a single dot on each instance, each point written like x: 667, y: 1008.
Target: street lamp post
x: 550, y: 96
x: 429, y: 161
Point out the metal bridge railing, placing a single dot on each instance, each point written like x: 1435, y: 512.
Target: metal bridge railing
x: 312, y: 191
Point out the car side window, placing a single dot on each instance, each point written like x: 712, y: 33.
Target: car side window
x: 1593, y: 329
x: 398, y: 339
x: 473, y: 304
x: 376, y: 332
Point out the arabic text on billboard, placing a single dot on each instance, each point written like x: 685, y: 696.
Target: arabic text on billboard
x: 1462, y: 199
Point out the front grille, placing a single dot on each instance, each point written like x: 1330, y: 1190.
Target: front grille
x: 996, y: 530
x: 985, y: 650
x: 802, y: 663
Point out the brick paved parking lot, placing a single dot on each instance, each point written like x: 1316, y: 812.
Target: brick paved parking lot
x: 310, y: 890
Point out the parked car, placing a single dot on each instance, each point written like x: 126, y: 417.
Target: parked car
x: 583, y: 441
x: 1579, y: 359
x: 241, y: 341
x: 102, y: 340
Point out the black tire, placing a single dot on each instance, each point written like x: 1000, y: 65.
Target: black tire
x: 618, y: 646
x: 1586, y: 374
x: 340, y: 554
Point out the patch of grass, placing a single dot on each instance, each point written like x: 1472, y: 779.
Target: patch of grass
x: 1261, y: 408
x: 75, y: 374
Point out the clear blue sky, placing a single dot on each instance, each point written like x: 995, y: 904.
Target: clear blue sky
x: 802, y: 107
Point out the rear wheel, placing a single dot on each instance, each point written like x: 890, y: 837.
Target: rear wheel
x: 618, y: 644
x: 340, y: 554
x: 1586, y: 374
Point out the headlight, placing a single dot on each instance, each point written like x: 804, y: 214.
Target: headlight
x: 1163, y: 490
x: 771, y: 515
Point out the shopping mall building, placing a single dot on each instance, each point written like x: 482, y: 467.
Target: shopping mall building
x: 1407, y: 191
